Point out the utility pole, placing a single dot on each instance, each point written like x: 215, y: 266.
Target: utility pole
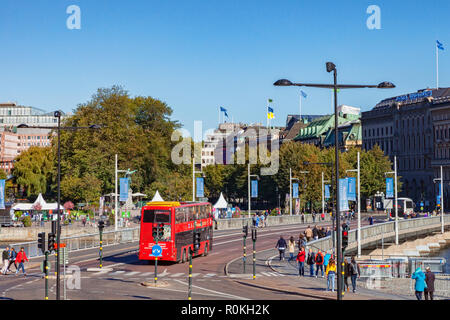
x: 359, y: 203
x: 395, y: 198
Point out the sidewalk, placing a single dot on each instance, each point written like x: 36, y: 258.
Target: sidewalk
x: 282, y: 277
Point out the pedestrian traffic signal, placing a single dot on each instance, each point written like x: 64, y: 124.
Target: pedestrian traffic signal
x: 51, y: 241
x: 345, y: 236
x: 155, y: 233
x: 254, y: 234
x: 101, y: 225
x: 196, y: 241
x: 160, y: 231
x: 245, y: 231
x: 41, y: 241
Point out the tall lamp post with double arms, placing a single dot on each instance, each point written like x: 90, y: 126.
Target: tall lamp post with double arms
x: 331, y: 67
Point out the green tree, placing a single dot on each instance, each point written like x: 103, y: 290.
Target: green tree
x: 34, y: 169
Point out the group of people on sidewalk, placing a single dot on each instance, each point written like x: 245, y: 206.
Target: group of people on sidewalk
x: 10, y: 257
x: 324, y: 262
x: 424, y: 283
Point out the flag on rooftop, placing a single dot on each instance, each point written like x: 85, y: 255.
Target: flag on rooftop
x: 270, y: 114
x: 303, y: 94
x: 439, y: 45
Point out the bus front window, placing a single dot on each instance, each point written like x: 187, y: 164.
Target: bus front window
x: 156, y: 216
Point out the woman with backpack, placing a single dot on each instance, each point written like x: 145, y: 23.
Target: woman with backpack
x: 319, y: 262
x: 354, y: 272
x: 310, y: 261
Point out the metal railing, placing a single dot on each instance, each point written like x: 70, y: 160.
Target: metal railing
x: 87, y: 241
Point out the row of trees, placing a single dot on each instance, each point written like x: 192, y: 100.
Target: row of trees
x: 139, y: 130
x: 233, y: 179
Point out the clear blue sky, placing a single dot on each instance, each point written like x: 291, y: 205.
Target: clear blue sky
x: 198, y: 55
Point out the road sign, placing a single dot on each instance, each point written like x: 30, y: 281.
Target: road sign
x: 156, y: 251
x: 63, y: 255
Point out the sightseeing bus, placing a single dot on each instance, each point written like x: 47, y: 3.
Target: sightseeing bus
x: 177, y: 221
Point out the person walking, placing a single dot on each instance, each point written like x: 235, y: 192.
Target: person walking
x: 281, y: 246
x: 346, y: 274
x: 301, y: 241
x: 12, y: 258
x: 21, y: 258
x: 319, y: 262
x: 301, y: 262
x: 262, y: 218
x: 303, y: 217
x: 311, y: 261
x: 308, y: 233
x: 5, y: 258
x: 331, y: 274
x: 420, y: 285
x: 291, y: 248
x: 326, y: 259
x: 328, y: 233
x: 315, y: 232
x: 371, y: 220
x: 314, y: 216
x: 429, y: 280
x: 354, y: 272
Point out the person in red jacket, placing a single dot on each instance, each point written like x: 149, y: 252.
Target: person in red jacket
x: 21, y: 258
x: 319, y: 262
x: 301, y: 261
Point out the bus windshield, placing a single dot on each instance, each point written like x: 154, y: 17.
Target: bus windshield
x: 156, y: 216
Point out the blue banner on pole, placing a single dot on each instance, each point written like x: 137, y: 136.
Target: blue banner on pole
x: 351, y: 189
x: 2, y: 194
x: 389, y: 188
x: 254, y: 188
x: 200, y: 187
x: 327, y: 191
x: 295, y: 190
x: 123, y: 196
x: 343, y: 195
x: 438, y: 198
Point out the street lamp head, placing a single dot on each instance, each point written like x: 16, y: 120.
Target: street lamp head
x: 331, y: 66
x: 283, y: 83
x: 57, y: 114
x: 23, y: 125
x: 386, y: 85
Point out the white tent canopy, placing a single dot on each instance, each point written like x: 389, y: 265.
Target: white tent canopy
x: 157, y: 197
x: 40, y: 200
x: 221, y: 203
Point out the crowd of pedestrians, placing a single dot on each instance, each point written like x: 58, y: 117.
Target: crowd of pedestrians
x: 259, y: 220
x: 11, y: 257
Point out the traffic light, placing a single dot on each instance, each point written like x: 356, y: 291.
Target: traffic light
x: 155, y: 232
x: 345, y: 236
x: 41, y: 241
x: 245, y: 230
x: 51, y: 241
x: 196, y: 241
x: 101, y: 225
x: 254, y: 234
x: 161, y: 231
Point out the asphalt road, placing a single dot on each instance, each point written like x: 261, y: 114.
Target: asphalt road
x: 128, y: 273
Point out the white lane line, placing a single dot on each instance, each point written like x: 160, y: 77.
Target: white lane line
x: 216, y: 292
x: 117, y: 272
x: 209, y: 275
x: 129, y: 274
x: 177, y: 275
x: 266, y: 274
x: 146, y: 274
x: 195, y: 274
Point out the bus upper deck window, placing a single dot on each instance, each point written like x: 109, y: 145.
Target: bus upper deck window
x: 152, y: 216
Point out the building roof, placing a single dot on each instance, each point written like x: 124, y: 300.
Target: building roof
x: 294, y: 130
x: 415, y: 97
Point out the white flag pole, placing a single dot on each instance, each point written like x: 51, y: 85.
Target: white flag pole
x: 437, y: 67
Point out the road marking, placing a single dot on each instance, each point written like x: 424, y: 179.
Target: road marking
x: 177, y: 275
x: 209, y: 275
x: 216, y: 292
x: 266, y: 274
x: 146, y: 274
x: 131, y: 273
x: 117, y: 272
x: 195, y: 274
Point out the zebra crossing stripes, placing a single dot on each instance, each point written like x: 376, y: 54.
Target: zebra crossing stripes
x: 175, y: 275
x: 116, y: 273
x: 129, y: 274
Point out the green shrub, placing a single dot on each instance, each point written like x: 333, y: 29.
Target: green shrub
x: 26, y: 221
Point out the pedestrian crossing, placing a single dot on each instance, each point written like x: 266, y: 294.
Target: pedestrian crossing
x: 168, y: 275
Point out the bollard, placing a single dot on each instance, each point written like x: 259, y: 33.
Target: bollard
x: 190, y: 275
x: 244, y: 257
x: 46, y: 274
x: 254, y: 252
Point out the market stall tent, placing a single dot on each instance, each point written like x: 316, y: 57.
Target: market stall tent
x: 157, y: 197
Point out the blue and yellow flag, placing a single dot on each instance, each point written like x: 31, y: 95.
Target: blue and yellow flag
x: 270, y: 114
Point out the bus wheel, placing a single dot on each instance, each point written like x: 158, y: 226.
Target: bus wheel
x: 205, y: 252
x: 184, y: 258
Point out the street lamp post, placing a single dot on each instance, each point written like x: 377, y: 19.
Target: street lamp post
x: 57, y: 114
x: 331, y: 67
x: 395, y: 197
x: 193, y: 178
x: 249, y: 191
x: 357, y: 170
x: 441, y: 181
x: 290, y: 190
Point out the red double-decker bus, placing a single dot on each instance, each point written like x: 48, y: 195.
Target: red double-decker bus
x: 178, y: 222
